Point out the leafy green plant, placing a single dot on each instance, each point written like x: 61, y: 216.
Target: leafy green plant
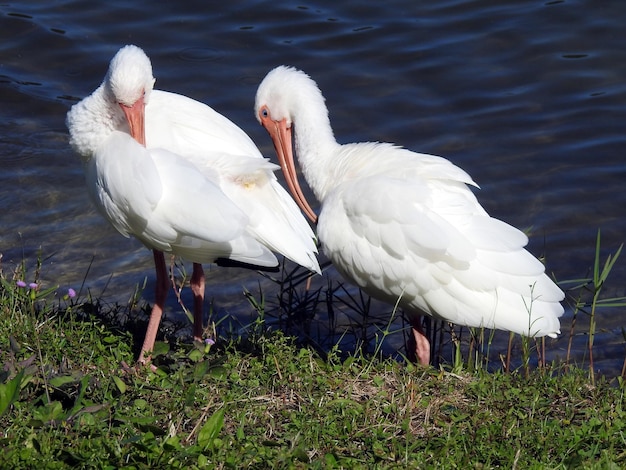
x: 10, y: 391
x: 599, y: 278
x: 208, y: 436
x: 593, y: 286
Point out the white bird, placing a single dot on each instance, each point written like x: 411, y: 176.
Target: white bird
x: 405, y: 226
x: 182, y: 179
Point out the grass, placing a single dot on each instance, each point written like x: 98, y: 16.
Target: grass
x: 268, y: 400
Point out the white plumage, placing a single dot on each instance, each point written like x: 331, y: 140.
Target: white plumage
x: 405, y: 225
x: 182, y: 178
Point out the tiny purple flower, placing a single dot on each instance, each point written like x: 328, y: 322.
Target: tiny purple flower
x: 209, y: 341
x: 33, y: 285
x: 20, y: 284
x: 71, y: 293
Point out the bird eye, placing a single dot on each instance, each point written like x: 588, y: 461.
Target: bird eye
x: 265, y: 112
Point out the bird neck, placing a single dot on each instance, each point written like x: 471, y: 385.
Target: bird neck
x: 92, y: 120
x: 315, y: 146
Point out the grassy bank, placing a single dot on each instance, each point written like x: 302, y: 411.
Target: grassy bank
x: 69, y: 397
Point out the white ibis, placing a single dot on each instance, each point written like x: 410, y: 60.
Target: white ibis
x: 405, y: 226
x: 182, y: 179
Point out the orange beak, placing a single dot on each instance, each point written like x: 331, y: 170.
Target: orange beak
x: 281, y: 137
x: 135, y: 117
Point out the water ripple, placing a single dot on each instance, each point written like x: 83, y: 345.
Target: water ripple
x: 200, y: 54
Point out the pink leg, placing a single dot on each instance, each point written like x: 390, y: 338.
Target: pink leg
x: 162, y: 285
x: 422, y: 345
x: 197, y: 287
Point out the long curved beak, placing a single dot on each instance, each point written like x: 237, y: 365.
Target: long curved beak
x: 136, y: 121
x: 281, y: 137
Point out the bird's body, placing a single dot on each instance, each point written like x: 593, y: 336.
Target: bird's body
x: 182, y: 178
x: 405, y: 227
x: 190, y: 193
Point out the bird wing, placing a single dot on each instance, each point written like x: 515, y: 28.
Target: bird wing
x: 124, y: 186
x: 223, y: 152
x: 189, y: 128
x: 428, y: 241
x: 169, y: 204
x: 274, y: 218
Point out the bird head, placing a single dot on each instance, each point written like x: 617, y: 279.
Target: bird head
x: 130, y: 76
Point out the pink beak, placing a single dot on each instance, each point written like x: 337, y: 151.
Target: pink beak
x: 135, y: 117
x: 281, y: 136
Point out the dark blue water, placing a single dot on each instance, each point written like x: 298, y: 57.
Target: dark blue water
x: 529, y: 97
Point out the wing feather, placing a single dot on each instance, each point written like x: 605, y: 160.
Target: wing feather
x: 189, y: 128
x: 438, y: 249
